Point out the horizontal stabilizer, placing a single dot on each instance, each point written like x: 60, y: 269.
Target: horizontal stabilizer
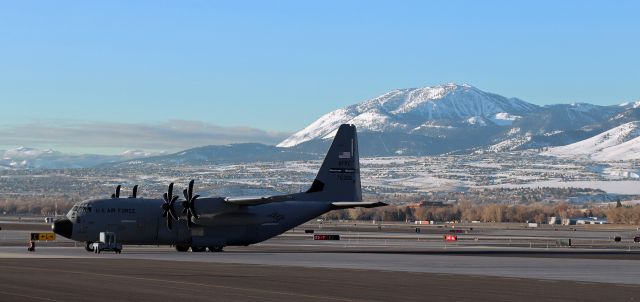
x: 356, y: 204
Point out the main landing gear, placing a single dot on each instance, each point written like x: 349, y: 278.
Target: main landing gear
x: 215, y: 249
x: 199, y: 249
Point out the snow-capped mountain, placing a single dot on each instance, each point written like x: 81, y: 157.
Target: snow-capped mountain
x: 419, y: 110
x: 461, y: 118
x: 619, y: 143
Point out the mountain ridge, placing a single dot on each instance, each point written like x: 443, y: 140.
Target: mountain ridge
x: 416, y: 108
x: 466, y: 118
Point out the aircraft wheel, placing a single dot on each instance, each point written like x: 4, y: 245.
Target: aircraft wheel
x: 88, y: 247
x: 182, y: 248
x: 198, y: 249
x: 215, y: 249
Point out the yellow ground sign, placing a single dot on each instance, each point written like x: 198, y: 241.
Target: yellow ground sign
x: 43, y: 236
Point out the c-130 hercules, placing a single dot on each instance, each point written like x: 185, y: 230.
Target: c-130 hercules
x: 215, y: 222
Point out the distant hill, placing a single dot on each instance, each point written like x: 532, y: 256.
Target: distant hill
x: 32, y: 158
x: 234, y: 153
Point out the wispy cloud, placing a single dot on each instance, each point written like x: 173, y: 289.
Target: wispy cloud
x: 111, y: 137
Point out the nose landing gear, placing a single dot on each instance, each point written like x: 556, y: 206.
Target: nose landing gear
x: 182, y: 248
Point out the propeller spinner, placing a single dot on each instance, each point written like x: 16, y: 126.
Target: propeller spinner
x: 168, y: 206
x: 188, y: 206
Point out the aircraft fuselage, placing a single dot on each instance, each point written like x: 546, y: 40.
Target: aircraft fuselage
x: 140, y: 221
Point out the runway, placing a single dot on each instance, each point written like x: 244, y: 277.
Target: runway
x: 613, y: 267
x: 108, y: 279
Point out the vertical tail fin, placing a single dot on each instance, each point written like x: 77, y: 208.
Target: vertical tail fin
x: 339, y: 175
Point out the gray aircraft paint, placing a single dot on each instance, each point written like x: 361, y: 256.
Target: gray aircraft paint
x: 225, y: 221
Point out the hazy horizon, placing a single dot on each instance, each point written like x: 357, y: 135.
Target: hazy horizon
x: 79, y: 137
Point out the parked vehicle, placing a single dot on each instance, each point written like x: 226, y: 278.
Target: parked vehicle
x: 107, y: 243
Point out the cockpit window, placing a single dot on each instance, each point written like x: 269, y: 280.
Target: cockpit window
x: 84, y: 209
x: 80, y: 209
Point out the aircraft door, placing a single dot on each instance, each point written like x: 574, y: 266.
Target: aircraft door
x: 81, y: 222
x: 141, y: 230
x: 112, y: 228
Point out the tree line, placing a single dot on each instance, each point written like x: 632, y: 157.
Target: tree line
x: 467, y: 211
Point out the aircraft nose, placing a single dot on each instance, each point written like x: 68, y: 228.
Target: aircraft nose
x: 63, y: 227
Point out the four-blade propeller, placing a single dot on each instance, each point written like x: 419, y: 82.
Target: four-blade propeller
x: 117, y: 193
x: 188, y: 205
x: 168, y: 206
x: 134, y: 193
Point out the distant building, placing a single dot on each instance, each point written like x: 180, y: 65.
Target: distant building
x: 591, y: 220
x: 555, y: 220
x: 583, y: 220
x: 425, y: 204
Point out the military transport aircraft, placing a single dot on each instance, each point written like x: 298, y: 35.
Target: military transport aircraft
x: 215, y: 222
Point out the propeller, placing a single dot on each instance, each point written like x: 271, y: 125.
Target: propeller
x: 134, y: 194
x: 168, y: 206
x: 188, y: 205
x: 117, y: 193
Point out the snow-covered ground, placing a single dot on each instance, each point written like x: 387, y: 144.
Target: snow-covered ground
x: 619, y: 143
x: 388, y: 175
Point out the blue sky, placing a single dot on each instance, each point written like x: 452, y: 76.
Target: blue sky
x: 279, y: 65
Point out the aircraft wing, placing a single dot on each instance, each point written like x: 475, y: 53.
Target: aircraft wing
x: 356, y: 204
x: 253, y: 201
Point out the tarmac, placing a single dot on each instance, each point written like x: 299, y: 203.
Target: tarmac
x: 108, y: 279
x: 361, y: 267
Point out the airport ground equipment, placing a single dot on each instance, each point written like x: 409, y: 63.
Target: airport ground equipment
x: 34, y: 237
x: 326, y: 237
x: 46, y: 236
x: 107, y: 243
